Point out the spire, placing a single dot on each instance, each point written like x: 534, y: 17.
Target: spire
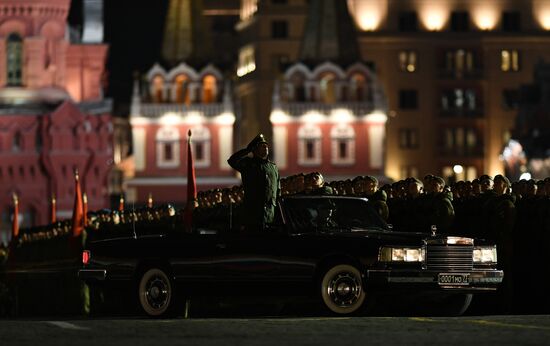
x: 135, y: 107
x: 185, y: 35
x: 330, y: 33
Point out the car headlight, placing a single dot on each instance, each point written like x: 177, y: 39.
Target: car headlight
x: 485, y: 254
x: 401, y: 254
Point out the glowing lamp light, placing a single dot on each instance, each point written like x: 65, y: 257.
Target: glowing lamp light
x: 458, y: 169
x: 434, y: 19
x: 376, y: 117
x: 279, y: 117
x: 225, y: 119
x: 194, y: 118
x: 544, y: 18
x: 169, y: 119
x: 313, y: 117
x: 341, y: 116
x: 369, y: 21
x: 525, y: 176
x: 485, y: 19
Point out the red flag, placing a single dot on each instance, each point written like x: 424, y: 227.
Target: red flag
x: 78, y: 208
x: 85, y: 208
x: 121, y: 204
x: 191, y: 187
x: 150, y: 201
x: 15, y: 221
x: 53, y: 217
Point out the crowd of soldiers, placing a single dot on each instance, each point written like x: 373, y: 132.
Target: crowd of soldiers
x: 515, y: 216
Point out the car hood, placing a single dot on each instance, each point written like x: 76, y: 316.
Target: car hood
x: 386, y: 235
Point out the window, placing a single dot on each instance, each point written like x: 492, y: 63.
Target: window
x: 359, y: 89
x: 511, y: 21
x: 408, y: 99
x: 408, y: 21
x: 408, y: 138
x: 158, y: 89
x: 309, y: 145
x: 168, y: 147
x: 460, y: 21
x: 408, y: 171
x: 209, y: 89
x: 200, y: 144
x: 298, y: 86
x: 279, y: 29
x: 17, y: 142
x: 467, y: 173
x: 460, y: 102
x: 247, y: 62
x: 407, y: 61
x: 509, y: 60
x: 461, y: 62
x: 510, y: 99
x: 461, y: 141
x: 328, y: 92
x: 342, y: 139
x: 182, y: 89
x: 14, y: 48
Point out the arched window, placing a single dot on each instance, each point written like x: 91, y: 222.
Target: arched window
x: 17, y: 142
x: 168, y: 147
x: 328, y: 92
x: 200, y: 144
x: 297, y: 81
x: 209, y: 89
x: 14, y: 60
x: 309, y: 145
x: 358, y: 87
x: 182, y: 89
x: 342, y: 138
x: 158, y: 89
x: 28, y: 218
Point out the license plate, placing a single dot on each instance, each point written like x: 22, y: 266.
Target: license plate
x: 447, y: 279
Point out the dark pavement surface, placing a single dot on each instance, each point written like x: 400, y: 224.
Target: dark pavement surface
x: 467, y: 330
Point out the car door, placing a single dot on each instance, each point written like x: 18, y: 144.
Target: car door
x: 249, y: 257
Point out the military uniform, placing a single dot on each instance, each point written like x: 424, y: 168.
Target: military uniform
x: 261, y: 185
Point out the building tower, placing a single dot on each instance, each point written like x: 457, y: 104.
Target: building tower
x: 328, y: 112
x: 190, y: 93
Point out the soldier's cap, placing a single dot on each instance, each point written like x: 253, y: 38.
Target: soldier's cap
x: 439, y: 180
x: 503, y: 178
x: 485, y: 177
x: 260, y: 138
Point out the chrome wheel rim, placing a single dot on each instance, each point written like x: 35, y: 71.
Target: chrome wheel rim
x: 157, y: 292
x: 344, y: 289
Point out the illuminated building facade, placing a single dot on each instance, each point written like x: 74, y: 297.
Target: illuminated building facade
x: 439, y: 82
x: 186, y: 91
x: 452, y: 72
x: 53, y: 115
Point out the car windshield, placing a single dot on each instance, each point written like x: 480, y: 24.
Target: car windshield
x: 328, y: 214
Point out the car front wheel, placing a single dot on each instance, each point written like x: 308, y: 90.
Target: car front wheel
x: 342, y: 289
x: 155, y: 292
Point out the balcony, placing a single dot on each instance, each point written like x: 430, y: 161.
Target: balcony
x: 355, y: 108
x: 156, y: 110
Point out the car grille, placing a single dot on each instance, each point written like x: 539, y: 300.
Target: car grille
x: 449, y: 257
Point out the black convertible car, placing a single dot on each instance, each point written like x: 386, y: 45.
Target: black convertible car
x: 334, y: 248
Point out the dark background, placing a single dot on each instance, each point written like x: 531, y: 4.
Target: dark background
x: 133, y: 30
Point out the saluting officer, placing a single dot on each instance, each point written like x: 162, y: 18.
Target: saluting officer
x: 261, y: 184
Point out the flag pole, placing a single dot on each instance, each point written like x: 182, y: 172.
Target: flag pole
x: 15, y: 221
x: 191, y: 186
x: 78, y: 208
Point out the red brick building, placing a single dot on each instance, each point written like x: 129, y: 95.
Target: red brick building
x: 53, y: 118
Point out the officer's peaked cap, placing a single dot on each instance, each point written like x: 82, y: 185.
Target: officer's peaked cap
x: 260, y: 138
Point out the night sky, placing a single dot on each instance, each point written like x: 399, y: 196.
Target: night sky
x: 133, y: 30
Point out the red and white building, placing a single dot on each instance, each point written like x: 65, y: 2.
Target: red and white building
x: 172, y: 103
x: 329, y: 119
x: 53, y: 118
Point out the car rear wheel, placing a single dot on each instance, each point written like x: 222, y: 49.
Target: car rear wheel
x: 342, y: 289
x: 156, y: 293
